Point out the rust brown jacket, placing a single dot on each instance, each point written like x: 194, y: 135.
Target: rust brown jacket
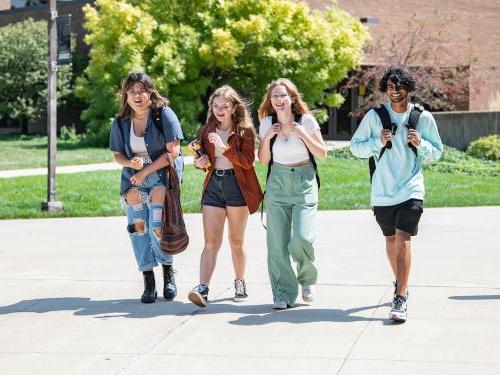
x: 241, y: 152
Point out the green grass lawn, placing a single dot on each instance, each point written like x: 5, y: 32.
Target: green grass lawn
x: 345, y: 185
x: 17, y: 152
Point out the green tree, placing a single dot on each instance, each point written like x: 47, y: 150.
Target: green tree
x: 190, y: 47
x: 23, y: 68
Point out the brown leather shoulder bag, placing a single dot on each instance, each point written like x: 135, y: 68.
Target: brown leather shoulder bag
x: 174, y: 237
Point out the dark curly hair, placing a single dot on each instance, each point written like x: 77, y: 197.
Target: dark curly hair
x: 400, y: 76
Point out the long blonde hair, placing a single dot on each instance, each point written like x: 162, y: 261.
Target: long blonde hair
x: 298, y: 105
x: 157, y: 101
x: 240, y: 117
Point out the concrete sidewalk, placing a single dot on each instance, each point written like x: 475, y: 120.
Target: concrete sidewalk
x: 69, y: 303
x: 70, y: 169
x: 109, y: 166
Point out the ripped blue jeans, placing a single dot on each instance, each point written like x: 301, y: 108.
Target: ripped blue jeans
x: 144, y: 225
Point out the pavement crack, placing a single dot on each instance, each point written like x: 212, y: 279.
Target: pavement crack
x: 351, y: 349
x: 164, y: 337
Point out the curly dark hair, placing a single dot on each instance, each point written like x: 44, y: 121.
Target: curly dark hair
x: 400, y: 76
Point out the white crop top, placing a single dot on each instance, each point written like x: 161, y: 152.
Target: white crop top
x: 290, y: 149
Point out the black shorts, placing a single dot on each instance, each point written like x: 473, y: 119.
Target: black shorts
x: 223, y: 190
x: 404, y: 216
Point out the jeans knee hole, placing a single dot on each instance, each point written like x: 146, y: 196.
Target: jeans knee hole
x: 157, y: 233
x: 138, y: 227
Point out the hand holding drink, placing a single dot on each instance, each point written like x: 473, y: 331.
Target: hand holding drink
x: 137, y: 163
x: 201, y: 159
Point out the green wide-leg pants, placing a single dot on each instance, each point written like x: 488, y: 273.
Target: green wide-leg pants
x: 291, y: 204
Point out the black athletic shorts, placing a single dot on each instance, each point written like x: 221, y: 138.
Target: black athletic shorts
x: 223, y: 190
x: 404, y: 216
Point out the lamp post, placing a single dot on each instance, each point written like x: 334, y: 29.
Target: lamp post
x: 51, y: 205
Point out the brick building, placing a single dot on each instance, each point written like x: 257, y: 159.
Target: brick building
x: 474, y: 37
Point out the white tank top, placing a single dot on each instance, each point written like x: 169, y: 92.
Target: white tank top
x: 289, y: 149
x: 137, y: 144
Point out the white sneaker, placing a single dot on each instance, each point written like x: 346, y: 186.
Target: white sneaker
x: 307, y: 293
x: 280, y: 305
x: 399, y: 310
x: 240, y: 291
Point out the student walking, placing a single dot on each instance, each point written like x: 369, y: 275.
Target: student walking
x: 398, y: 136
x: 290, y: 138
x: 231, y: 189
x: 144, y: 130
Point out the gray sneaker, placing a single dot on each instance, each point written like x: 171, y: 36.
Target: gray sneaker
x: 307, y: 293
x: 240, y: 291
x: 280, y: 305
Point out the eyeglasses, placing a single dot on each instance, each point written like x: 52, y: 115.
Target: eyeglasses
x: 138, y: 92
x: 279, y: 96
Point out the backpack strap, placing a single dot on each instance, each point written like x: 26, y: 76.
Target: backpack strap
x: 157, y: 119
x: 274, y: 120
x: 385, y: 118
x: 415, y: 113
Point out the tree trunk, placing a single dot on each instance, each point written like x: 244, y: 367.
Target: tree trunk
x: 23, y: 122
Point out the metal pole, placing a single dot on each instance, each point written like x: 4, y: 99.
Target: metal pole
x: 52, y: 205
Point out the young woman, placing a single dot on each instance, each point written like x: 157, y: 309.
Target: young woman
x: 291, y: 191
x: 231, y: 189
x: 144, y: 148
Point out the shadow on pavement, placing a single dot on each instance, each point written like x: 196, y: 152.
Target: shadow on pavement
x: 126, y: 308
x: 297, y: 315
x: 132, y: 308
x: 477, y: 297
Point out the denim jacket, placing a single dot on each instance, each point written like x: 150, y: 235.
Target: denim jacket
x: 119, y: 141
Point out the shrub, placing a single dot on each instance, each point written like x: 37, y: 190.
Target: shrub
x: 458, y: 162
x: 68, y: 135
x: 486, y: 148
x: 452, y: 161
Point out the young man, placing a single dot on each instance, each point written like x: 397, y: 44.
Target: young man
x: 398, y: 184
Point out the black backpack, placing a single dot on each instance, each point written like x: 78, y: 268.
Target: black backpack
x: 385, y: 118
x: 297, y: 119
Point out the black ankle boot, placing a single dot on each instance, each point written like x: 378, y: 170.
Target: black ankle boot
x: 169, y: 287
x: 149, y: 295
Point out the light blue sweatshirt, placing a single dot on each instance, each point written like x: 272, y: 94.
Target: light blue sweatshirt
x: 398, y: 176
